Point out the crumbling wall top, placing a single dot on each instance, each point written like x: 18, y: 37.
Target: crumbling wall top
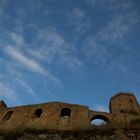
x: 123, y: 102
x: 2, y: 104
x: 63, y: 116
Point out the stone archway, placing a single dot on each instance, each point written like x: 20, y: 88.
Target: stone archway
x: 99, y: 120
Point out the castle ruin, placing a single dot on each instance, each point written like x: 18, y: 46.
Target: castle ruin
x: 123, y: 109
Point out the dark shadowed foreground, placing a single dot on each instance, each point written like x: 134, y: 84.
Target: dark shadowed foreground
x: 97, y: 134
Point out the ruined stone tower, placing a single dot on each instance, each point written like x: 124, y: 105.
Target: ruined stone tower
x: 124, y: 107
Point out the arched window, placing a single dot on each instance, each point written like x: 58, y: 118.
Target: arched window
x: 37, y: 113
x: 99, y: 120
x: 65, y: 112
x: 8, y: 115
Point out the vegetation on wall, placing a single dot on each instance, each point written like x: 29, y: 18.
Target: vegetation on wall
x: 135, y: 121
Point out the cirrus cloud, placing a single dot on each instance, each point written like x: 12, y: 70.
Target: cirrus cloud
x: 26, y: 61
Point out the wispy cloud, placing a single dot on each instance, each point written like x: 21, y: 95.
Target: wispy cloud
x: 78, y: 20
x: 14, y: 83
x: 111, y: 36
x: 112, y: 4
x: 124, y: 16
x: 94, y: 51
x: 18, y: 39
x: 118, y: 27
x: 13, y: 80
x: 54, y: 49
x: 8, y: 93
x: 28, y: 88
x: 100, y: 107
x: 2, y: 5
x: 78, y: 12
x: 26, y: 61
x: 29, y: 63
x: 91, y: 2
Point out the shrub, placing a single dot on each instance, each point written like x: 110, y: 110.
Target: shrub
x: 135, y: 121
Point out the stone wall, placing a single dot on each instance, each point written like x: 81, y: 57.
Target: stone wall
x: 124, y: 109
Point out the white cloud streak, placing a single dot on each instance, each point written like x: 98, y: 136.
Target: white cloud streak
x: 29, y: 63
x: 26, y: 61
x: 13, y: 80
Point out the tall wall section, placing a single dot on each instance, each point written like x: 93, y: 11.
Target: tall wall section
x: 124, y: 108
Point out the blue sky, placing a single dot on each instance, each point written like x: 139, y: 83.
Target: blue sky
x: 75, y: 51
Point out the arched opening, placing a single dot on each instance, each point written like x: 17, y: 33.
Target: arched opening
x: 37, y: 113
x: 99, y: 120
x: 65, y: 112
x: 8, y: 116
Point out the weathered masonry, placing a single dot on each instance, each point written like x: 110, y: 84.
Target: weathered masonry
x: 124, y: 109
